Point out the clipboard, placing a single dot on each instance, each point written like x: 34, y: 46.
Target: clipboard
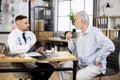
x: 32, y: 49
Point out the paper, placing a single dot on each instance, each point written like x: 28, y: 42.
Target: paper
x: 32, y: 54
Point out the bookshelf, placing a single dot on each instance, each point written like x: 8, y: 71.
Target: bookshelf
x: 43, y: 22
x: 108, y: 26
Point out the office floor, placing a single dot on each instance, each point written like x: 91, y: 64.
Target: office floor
x: 9, y: 76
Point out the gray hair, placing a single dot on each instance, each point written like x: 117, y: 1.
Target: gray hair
x: 84, y: 16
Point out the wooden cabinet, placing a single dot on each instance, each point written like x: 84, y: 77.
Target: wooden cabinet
x: 44, y: 35
x: 43, y: 22
x: 109, y: 26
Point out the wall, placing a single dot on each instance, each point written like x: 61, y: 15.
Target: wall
x: 10, y: 9
x: 3, y: 38
x: 114, y: 10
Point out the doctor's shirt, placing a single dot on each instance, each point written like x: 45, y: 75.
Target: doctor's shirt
x: 16, y: 42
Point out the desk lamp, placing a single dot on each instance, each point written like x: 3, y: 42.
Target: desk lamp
x: 106, y: 5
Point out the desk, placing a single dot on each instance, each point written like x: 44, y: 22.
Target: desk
x: 58, y: 41
x: 61, y: 56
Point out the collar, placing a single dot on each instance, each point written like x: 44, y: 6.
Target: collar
x: 87, y: 31
x: 19, y: 31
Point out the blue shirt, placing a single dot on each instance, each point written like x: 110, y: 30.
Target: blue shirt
x: 92, y: 46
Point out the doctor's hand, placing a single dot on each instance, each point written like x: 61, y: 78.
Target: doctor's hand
x: 40, y: 49
x: 21, y: 55
x: 31, y: 45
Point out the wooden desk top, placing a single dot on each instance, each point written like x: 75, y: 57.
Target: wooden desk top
x: 56, y: 39
x: 61, y: 56
x: 17, y: 59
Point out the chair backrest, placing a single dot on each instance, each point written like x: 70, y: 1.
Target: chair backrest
x: 113, y: 58
x: 3, y: 48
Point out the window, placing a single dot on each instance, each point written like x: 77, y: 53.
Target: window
x: 66, y: 6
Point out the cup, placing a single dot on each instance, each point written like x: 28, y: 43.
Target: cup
x: 53, y: 51
x: 56, y: 49
x: 48, y: 53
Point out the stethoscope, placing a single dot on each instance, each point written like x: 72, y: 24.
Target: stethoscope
x: 28, y: 38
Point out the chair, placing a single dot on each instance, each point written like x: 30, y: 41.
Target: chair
x: 20, y: 75
x: 3, y: 49
x: 112, y: 61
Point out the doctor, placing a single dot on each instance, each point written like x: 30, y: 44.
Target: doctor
x: 21, y: 40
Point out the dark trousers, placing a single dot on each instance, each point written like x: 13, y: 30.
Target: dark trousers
x: 42, y: 75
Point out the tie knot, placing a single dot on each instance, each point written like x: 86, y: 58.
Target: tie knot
x: 23, y: 34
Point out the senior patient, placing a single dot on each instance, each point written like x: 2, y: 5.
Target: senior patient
x: 21, y: 40
x: 92, y: 48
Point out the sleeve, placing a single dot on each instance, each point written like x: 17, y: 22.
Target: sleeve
x: 105, y: 46
x: 33, y: 38
x: 72, y: 46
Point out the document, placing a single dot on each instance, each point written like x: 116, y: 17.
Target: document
x: 32, y: 54
x: 36, y: 55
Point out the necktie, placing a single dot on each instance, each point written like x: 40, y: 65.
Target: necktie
x: 23, y: 35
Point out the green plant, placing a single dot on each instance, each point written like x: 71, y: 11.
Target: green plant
x: 117, y: 26
x: 71, y: 16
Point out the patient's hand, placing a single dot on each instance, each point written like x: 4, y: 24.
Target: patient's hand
x: 69, y: 35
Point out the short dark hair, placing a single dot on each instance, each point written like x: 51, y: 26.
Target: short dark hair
x: 20, y: 17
